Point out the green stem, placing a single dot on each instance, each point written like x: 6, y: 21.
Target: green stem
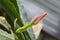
x: 21, y: 29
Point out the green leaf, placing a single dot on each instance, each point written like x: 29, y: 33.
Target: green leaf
x: 4, y: 27
x: 10, y: 7
x: 15, y: 22
x: 4, y: 24
x: 15, y: 3
x: 11, y: 14
x: 5, y: 36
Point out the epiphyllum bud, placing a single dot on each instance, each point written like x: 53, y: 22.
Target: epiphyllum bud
x: 36, y: 19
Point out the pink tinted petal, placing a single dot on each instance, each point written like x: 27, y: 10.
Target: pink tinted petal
x: 39, y: 17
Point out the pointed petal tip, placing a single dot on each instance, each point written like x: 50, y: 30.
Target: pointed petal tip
x: 39, y: 17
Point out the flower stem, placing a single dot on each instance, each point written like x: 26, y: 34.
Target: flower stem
x: 34, y: 21
x: 21, y: 29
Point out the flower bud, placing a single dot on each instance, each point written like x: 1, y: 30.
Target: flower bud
x: 36, y: 19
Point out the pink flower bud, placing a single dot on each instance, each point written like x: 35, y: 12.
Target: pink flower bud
x: 36, y: 19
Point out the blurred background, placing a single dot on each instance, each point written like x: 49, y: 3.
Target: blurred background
x: 51, y: 23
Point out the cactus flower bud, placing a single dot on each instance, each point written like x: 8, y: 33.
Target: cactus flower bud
x: 36, y: 19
